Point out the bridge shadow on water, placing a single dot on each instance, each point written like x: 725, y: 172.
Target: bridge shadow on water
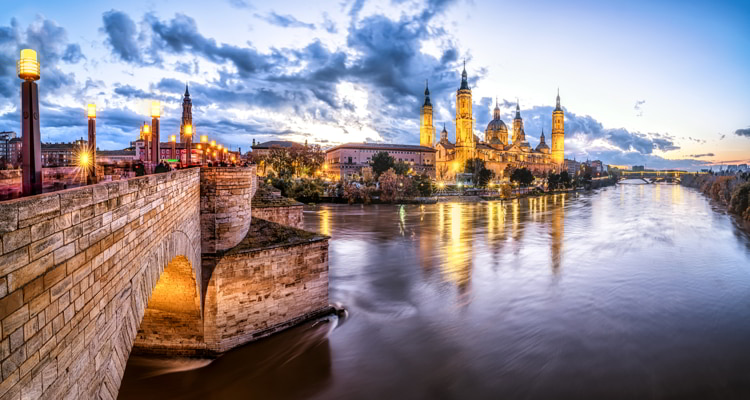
x: 294, y: 364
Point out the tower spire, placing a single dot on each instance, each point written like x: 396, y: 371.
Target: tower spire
x: 558, y: 108
x: 187, y: 93
x: 464, y: 78
x: 426, y: 94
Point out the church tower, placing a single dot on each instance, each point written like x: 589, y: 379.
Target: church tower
x: 558, y: 133
x: 187, y: 118
x: 426, y: 130
x: 465, y: 145
x: 518, y: 133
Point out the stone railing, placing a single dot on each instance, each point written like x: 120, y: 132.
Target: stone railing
x: 76, y: 271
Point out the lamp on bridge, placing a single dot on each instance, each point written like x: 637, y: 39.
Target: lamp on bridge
x: 189, y: 144
x: 155, y: 114
x: 204, y: 144
x: 31, y: 152
x: 173, y: 142
x: 91, y: 113
x: 146, y: 137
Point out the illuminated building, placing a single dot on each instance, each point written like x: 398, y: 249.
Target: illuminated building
x: 497, y: 150
x: 427, y: 130
x: 347, y: 160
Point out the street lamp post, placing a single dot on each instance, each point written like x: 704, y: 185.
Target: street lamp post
x: 146, y: 136
x: 204, y: 144
x: 155, y: 113
x: 31, y: 153
x: 173, y: 143
x: 91, y: 112
x: 189, y: 144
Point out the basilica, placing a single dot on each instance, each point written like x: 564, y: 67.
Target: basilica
x: 498, y: 150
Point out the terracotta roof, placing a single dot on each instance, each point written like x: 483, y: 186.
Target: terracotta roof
x: 382, y: 146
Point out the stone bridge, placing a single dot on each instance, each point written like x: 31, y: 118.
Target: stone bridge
x: 168, y: 263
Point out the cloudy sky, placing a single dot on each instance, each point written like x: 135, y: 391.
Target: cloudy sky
x: 663, y: 83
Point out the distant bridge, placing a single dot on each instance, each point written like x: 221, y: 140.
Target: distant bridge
x: 655, y: 176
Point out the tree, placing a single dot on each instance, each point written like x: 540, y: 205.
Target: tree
x: 480, y: 175
x: 523, y: 176
x: 381, y: 162
x: 565, y: 179
x: 389, y: 188
x: 553, y: 181
x: 401, y: 168
x: 422, y: 185
x: 506, y: 191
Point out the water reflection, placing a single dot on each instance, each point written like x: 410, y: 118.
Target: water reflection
x: 635, y: 291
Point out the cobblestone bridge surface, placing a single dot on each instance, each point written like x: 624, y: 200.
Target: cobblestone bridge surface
x: 78, y: 269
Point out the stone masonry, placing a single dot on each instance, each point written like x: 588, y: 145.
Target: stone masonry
x: 76, y: 272
x: 80, y: 268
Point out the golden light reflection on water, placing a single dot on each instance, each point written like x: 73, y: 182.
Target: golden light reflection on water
x: 457, y: 265
x: 325, y: 217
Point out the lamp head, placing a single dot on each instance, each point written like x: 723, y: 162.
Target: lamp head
x: 188, y: 129
x: 173, y: 138
x: 155, y: 109
x: 213, y: 143
x: 28, y: 66
x: 204, y: 139
x: 91, y: 111
x: 146, y: 129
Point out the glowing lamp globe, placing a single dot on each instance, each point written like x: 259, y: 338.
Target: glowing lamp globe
x: 28, y: 66
x: 213, y: 143
x: 199, y: 147
x: 155, y: 109
x: 84, y: 159
x: 173, y: 138
x: 204, y: 139
x: 218, y: 146
x: 91, y: 111
x: 188, y: 129
x: 225, y: 150
x: 146, y: 129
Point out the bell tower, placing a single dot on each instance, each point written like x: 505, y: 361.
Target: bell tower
x: 465, y: 146
x: 518, y: 126
x: 426, y: 130
x: 558, y: 133
x: 187, y: 118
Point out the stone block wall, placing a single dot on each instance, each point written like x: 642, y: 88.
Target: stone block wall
x: 226, y: 196
x: 77, y: 268
x: 284, y: 215
x: 253, y: 294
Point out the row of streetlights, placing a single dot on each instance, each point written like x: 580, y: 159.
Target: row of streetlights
x: 31, y: 154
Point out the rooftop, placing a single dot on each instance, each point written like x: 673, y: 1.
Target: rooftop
x: 382, y: 146
x: 275, y: 143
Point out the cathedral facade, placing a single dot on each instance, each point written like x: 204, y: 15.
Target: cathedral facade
x: 500, y: 148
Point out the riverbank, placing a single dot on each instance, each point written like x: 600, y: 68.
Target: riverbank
x: 731, y: 192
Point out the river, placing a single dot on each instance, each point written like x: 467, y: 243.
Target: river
x: 629, y: 292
